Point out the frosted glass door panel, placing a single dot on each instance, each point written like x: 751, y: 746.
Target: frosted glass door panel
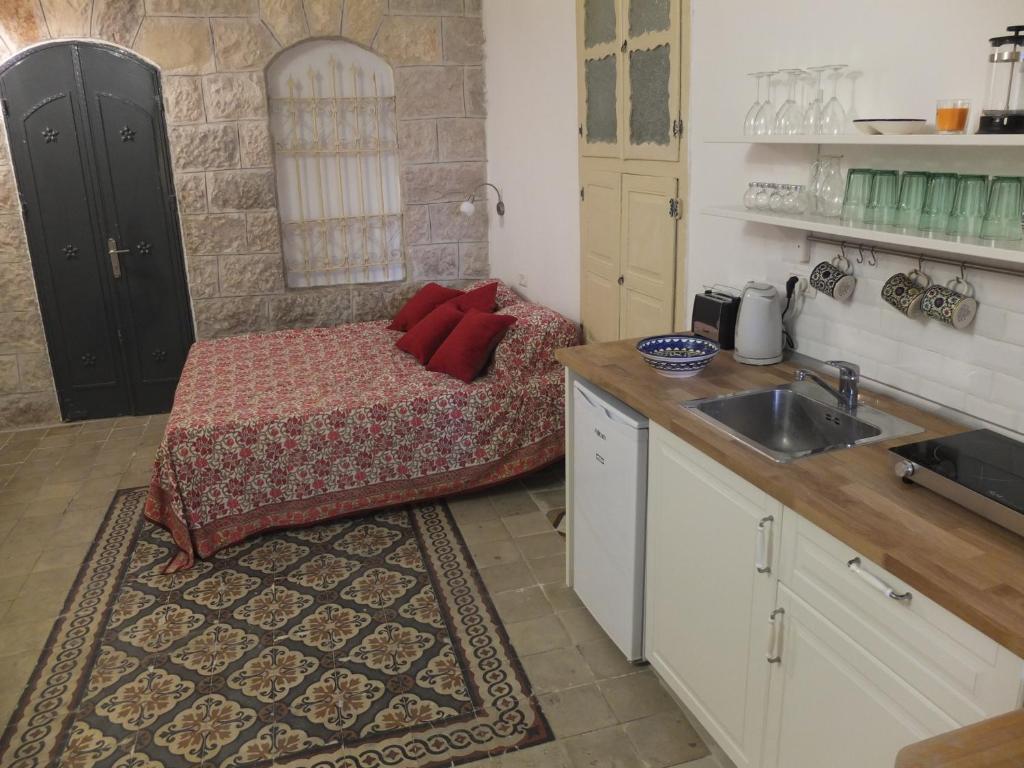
x: 649, y: 76
x: 599, y: 22
x: 602, y: 118
x: 649, y: 16
x: 651, y: 80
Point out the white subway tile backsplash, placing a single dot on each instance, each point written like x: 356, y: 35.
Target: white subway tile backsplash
x: 979, y: 370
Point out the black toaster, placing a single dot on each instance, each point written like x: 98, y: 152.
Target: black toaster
x: 714, y: 317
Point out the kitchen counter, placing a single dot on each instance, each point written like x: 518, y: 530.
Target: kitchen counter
x: 971, y: 567
x: 994, y: 743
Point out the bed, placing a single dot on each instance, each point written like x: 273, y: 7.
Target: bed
x: 292, y: 428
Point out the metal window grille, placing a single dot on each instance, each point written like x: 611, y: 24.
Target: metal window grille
x: 336, y: 154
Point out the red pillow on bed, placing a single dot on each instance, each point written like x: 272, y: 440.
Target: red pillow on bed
x: 464, y: 354
x: 482, y: 298
x: 425, y: 300
x: 423, y: 339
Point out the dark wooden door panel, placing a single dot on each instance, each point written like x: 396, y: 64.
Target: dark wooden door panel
x: 89, y: 147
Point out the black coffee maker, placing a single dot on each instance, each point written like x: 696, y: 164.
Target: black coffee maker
x: 1003, y: 111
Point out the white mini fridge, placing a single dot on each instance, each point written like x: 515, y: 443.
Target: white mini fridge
x: 609, y: 513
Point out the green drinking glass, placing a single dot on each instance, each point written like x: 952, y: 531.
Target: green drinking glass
x: 969, y: 205
x: 881, y: 208
x: 858, y: 192
x: 913, y: 186
x: 938, y: 202
x: 1003, y: 214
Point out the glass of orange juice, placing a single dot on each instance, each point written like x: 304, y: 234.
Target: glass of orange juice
x: 951, y: 115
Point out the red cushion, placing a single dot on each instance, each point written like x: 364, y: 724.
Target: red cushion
x: 482, y: 298
x: 423, y: 339
x: 464, y: 354
x: 421, y: 304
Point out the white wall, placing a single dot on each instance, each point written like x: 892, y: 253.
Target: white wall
x: 910, y: 53
x: 531, y: 148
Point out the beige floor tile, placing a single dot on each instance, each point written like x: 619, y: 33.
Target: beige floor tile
x: 65, y: 491
x: 61, y: 557
x: 15, y: 671
x: 576, y: 710
x: 490, y: 553
x: 550, y: 755
x: 541, y: 545
x: 553, y: 475
x: 665, y: 739
x: 549, y: 570
x: 130, y: 421
x: 13, y: 453
x: 636, y: 696
x: 10, y: 586
x: 97, y: 486
x: 521, y: 605
x: 561, y: 597
x: 581, y: 625
x: 127, y: 433
x: 538, y: 635
x: 605, y: 658
x: 606, y: 748
x: 472, y: 507
x: 25, y: 637
x: 73, y: 471
x: 137, y: 480
x: 703, y: 762
x: 58, y: 440
x: 512, y: 500
x: 551, y: 499
x: 108, y: 468
x: 480, y: 531
x: 94, y: 500
x: 557, y: 670
x: 17, y: 562
x: 526, y: 524
x: 36, y: 605
x: 502, y: 578
x: 54, y: 579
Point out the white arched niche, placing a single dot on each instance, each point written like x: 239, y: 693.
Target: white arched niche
x: 332, y: 118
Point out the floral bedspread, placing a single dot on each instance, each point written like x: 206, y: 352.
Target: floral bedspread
x: 294, y: 427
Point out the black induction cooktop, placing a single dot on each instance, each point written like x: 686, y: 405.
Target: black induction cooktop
x: 982, y: 470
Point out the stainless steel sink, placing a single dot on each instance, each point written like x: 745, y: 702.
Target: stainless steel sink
x: 796, y: 420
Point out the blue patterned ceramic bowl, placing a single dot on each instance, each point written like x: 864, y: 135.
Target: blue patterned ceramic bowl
x: 676, y: 355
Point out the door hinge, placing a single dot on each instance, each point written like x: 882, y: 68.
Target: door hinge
x: 673, y: 208
x: 581, y: 129
x: 6, y: 107
x: 582, y: 194
x: 677, y: 127
x: 625, y: 46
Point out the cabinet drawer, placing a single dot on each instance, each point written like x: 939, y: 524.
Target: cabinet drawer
x: 965, y: 673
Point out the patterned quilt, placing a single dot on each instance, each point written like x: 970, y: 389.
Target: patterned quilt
x: 295, y: 427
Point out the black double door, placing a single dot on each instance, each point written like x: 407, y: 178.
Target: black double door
x: 88, y: 140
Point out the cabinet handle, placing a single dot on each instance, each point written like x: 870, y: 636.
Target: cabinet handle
x: 775, y: 646
x: 876, y: 583
x: 763, y: 530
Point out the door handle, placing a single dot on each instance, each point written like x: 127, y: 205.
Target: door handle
x: 775, y: 643
x: 115, y: 258
x: 761, y: 562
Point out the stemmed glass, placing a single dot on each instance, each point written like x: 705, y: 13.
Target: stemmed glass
x: 789, y: 121
x: 815, y: 110
x: 833, y: 117
x: 764, y: 121
x: 750, y: 120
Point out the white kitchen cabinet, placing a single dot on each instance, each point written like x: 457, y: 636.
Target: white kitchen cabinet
x: 833, y: 704
x: 710, y: 587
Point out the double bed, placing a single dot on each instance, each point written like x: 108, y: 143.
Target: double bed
x: 292, y: 428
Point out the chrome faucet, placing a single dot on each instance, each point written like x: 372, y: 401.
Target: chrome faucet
x: 849, y: 378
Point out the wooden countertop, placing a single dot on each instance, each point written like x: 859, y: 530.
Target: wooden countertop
x: 961, y: 561
x: 994, y: 743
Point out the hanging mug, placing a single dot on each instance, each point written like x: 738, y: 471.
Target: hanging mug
x: 953, y: 303
x: 905, y: 292
x: 834, y: 280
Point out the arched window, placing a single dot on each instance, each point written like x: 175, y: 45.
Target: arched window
x: 332, y: 118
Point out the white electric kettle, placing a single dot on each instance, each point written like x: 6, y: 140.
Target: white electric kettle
x: 759, y: 326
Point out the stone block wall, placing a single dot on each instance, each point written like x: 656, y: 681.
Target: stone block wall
x: 212, y: 54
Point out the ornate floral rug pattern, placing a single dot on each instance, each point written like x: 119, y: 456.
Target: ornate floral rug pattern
x: 366, y: 642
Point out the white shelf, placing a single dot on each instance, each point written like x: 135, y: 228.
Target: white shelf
x: 915, y: 140
x: 1005, y: 253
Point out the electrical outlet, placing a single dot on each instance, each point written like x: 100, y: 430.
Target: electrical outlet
x: 803, y: 287
x: 522, y: 280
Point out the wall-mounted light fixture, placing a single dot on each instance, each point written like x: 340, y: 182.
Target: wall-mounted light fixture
x: 469, y: 204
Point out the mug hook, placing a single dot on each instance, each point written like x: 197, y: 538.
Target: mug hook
x: 873, y: 261
x: 860, y: 253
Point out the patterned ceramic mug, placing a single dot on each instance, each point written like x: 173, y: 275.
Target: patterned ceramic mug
x: 904, y: 292
x: 834, y: 280
x: 952, y: 303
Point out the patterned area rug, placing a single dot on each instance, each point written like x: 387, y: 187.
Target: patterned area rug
x: 364, y: 642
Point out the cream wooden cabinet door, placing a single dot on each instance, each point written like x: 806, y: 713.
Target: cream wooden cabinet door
x: 652, y: 123
x: 707, y: 603
x: 599, y: 43
x: 834, y: 704
x: 649, y: 225
x: 600, y: 262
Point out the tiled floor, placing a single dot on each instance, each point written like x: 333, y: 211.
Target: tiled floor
x: 56, y: 485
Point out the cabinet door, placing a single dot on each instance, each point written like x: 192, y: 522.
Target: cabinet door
x: 706, y: 601
x: 599, y: 266
x: 648, y: 255
x: 599, y: 43
x: 652, y: 123
x: 833, y: 703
